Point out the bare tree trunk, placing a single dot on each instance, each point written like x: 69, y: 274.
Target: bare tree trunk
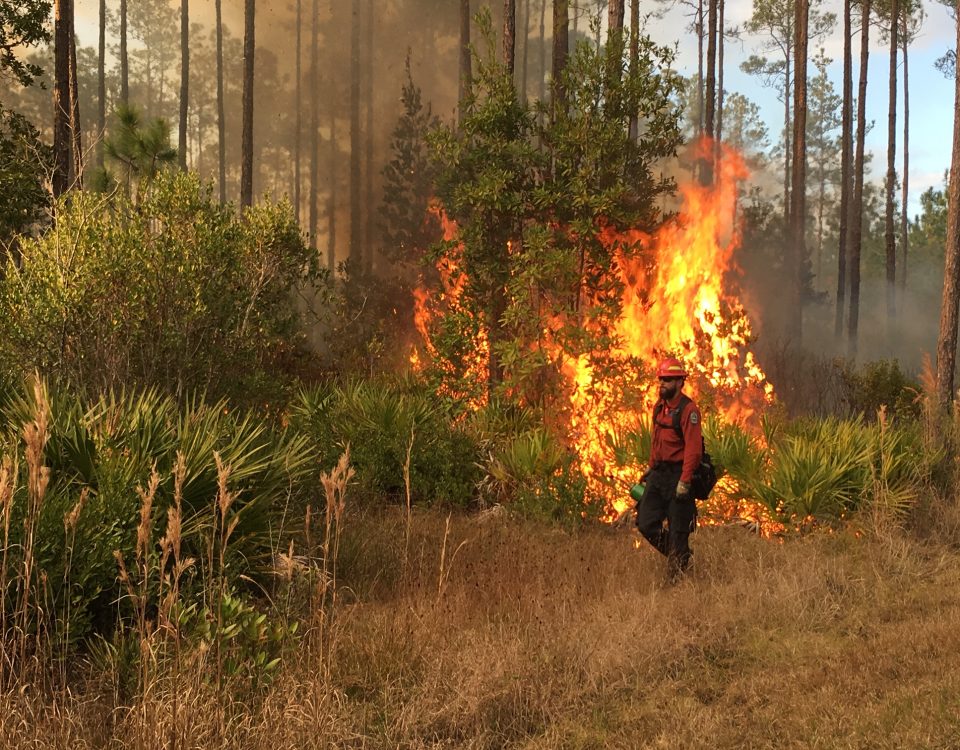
x: 184, y: 80
x: 524, y: 58
x: 249, y: 45
x: 368, y: 74
x: 706, y: 165
x: 356, y: 215
x: 615, y: 15
x: 889, y: 222
x: 62, y: 142
x: 787, y: 147
x: 124, y: 57
x: 633, y: 129
x: 101, y: 83
x: 314, y: 208
x: 466, y: 67
x: 509, y: 33
x: 798, y: 191
x: 947, y: 335
x: 561, y: 46
x: 856, y: 208
x: 221, y: 116
x: 845, y: 177
x: 333, y: 195
x: 904, y: 222
x: 76, y: 130
x: 541, y: 84
x: 699, y: 28
x: 298, y: 123
x: 721, y: 6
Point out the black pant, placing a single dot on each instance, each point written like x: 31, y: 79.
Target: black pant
x: 660, y: 502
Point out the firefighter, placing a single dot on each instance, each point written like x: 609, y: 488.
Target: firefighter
x: 675, y: 452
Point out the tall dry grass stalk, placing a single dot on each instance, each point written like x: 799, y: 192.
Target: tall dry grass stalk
x: 9, y: 470
x: 70, y: 521
x: 407, y: 493
x: 28, y: 614
x: 334, y: 485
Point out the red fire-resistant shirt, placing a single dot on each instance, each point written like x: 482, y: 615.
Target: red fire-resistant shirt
x: 666, y: 444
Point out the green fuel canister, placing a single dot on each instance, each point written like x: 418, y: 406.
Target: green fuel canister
x: 636, y: 492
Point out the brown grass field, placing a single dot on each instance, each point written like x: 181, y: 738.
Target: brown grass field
x: 492, y: 632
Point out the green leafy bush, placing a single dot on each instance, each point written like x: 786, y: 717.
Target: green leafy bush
x: 880, y: 384
x: 174, y: 292
x: 99, y: 452
x: 382, y: 422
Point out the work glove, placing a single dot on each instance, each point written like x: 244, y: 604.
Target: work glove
x: 683, y: 490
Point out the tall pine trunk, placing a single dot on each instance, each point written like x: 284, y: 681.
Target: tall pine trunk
x: 124, y: 56
x: 466, y: 64
x: 541, y: 91
x: 904, y: 223
x: 798, y: 188
x: 856, y: 205
x: 706, y: 166
x: 298, y: 119
x: 62, y: 110
x: 889, y: 234
x: 368, y: 75
x: 846, y: 189
x: 787, y: 124
x: 633, y: 128
x: 76, y: 130
x: 221, y: 106
x: 356, y: 212
x: 947, y: 335
x: 101, y: 83
x: 525, y: 57
x: 721, y: 6
x: 333, y: 196
x: 615, y: 16
x: 246, y: 146
x: 184, y: 80
x: 699, y: 29
x: 510, y: 33
x: 561, y: 48
x: 313, y: 209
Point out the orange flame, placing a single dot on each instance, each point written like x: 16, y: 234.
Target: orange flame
x: 679, y: 297
x: 427, y: 306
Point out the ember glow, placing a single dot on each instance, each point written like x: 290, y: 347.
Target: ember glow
x: 679, y: 298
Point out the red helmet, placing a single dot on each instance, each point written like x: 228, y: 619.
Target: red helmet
x: 671, y: 368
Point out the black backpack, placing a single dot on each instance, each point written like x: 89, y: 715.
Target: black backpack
x: 705, y: 475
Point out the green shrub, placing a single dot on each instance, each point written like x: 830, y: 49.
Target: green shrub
x: 381, y: 422
x: 174, y: 292
x: 880, y: 384
x: 103, y: 450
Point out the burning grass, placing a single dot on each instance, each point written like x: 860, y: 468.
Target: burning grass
x: 526, y: 636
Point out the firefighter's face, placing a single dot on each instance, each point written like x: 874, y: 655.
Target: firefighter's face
x: 670, y: 387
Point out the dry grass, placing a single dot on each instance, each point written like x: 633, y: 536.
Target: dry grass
x: 529, y: 637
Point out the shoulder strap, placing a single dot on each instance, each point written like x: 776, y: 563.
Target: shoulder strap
x: 678, y: 414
